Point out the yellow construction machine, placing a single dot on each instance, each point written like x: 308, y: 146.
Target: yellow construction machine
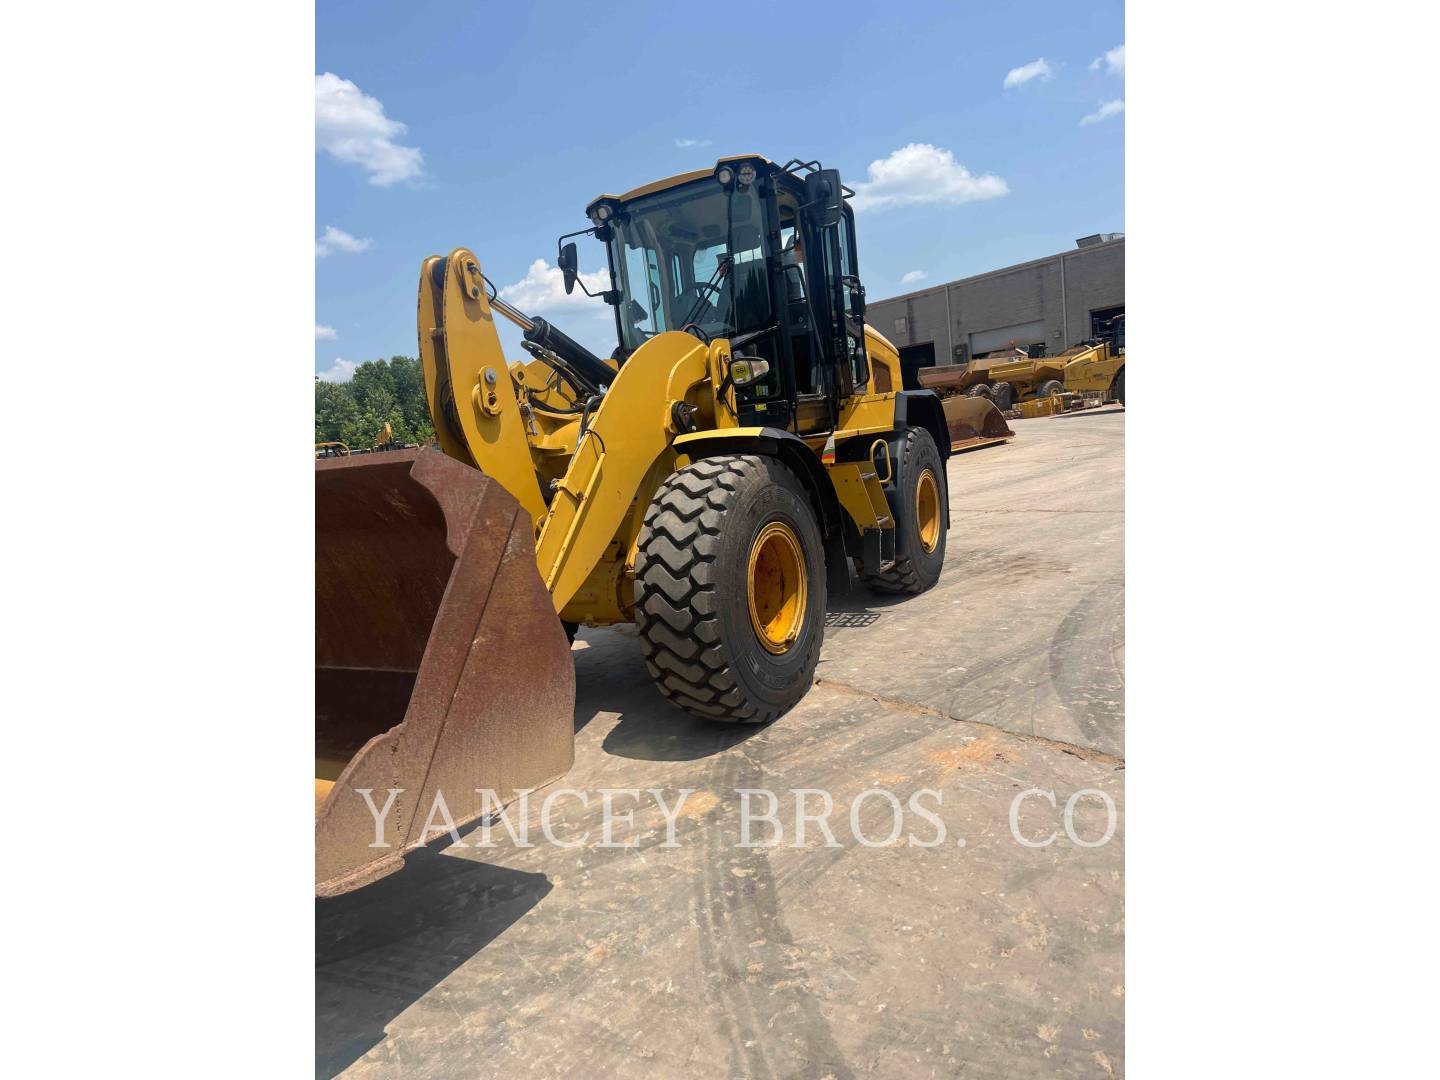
x: 384, y: 440
x: 1096, y: 366
x: 747, y: 441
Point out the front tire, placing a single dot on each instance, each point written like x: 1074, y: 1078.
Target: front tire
x: 922, y: 518
x: 730, y: 589
x: 1002, y: 394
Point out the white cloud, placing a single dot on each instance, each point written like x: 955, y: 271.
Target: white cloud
x: 1036, y: 69
x: 340, y: 371
x: 913, y: 276
x: 1106, y: 110
x: 324, y: 333
x: 921, y: 173
x: 543, y: 289
x: 1113, y: 61
x: 685, y: 144
x: 339, y: 240
x: 351, y: 126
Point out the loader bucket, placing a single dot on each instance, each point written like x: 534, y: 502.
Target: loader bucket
x: 441, y: 668
x: 974, y: 422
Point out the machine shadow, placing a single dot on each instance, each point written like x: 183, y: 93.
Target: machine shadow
x: 668, y: 734
x: 379, y: 949
x: 610, y: 678
x: 845, y: 604
x: 1108, y: 409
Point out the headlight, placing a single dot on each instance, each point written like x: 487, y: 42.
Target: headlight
x: 747, y: 174
x: 745, y: 370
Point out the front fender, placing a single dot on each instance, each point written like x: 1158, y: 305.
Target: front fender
x: 778, y: 443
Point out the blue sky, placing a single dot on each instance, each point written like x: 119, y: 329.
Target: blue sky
x: 491, y: 126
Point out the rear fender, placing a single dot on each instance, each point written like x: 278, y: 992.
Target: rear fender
x: 922, y: 409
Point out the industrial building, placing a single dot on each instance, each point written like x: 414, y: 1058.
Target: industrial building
x: 1043, y: 306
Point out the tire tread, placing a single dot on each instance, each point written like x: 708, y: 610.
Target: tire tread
x: 677, y: 610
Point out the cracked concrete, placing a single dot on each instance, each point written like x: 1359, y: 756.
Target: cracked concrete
x: 989, y: 958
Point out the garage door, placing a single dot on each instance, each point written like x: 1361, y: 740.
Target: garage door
x: 1003, y: 337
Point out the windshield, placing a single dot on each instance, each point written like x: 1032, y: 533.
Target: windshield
x: 685, y: 257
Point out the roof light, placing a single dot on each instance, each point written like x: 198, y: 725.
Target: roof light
x: 600, y: 213
x: 724, y: 174
x: 746, y: 174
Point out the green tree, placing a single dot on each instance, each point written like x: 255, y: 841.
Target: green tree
x: 379, y: 392
x: 335, y: 410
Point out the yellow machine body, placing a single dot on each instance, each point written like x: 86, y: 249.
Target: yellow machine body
x: 600, y: 485
x: 1093, y: 368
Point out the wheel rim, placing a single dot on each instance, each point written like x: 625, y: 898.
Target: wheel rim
x: 777, y: 586
x: 927, y: 511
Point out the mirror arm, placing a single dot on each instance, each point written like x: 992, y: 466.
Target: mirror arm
x: 610, y: 296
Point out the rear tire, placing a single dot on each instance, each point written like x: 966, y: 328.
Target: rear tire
x: 730, y: 558
x: 1050, y: 388
x: 979, y: 390
x: 1002, y: 394
x: 1117, y: 388
x: 919, y: 551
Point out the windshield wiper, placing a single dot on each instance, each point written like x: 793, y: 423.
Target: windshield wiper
x: 741, y: 340
x: 721, y: 269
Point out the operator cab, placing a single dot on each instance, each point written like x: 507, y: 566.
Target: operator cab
x: 760, y: 254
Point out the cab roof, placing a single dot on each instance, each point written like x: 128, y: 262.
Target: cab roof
x: 677, y: 179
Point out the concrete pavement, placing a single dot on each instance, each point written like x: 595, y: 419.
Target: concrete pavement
x: 991, y: 958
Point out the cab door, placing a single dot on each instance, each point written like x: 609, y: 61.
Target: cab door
x: 839, y: 302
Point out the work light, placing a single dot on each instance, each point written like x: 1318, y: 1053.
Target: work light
x: 601, y: 213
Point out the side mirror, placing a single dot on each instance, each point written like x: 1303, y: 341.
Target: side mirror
x: 857, y: 299
x: 568, y: 263
x: 823, y: 197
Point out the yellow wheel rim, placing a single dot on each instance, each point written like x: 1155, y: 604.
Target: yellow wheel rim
x: 777, y: 586
x: 927, y: 511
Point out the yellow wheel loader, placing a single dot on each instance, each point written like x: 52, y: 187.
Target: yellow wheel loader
x: 747, y: 441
